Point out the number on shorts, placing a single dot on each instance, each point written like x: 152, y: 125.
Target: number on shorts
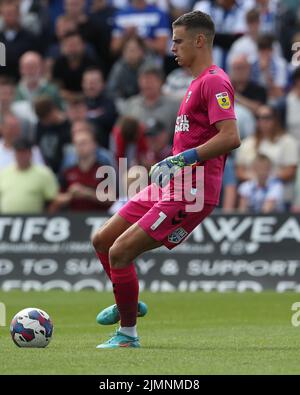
x: 161, y: 218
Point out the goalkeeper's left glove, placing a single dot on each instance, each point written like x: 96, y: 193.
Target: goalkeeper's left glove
x: 162, y: 172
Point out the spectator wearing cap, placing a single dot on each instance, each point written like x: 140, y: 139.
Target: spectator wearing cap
x: 79, y: 182
x: 52, y: 131
x: 11, y: 131
x: 26, y: 188
x: 101, y: 109
x: 151, y: 104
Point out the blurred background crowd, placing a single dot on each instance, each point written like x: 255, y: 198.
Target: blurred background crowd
x: 87, y: 82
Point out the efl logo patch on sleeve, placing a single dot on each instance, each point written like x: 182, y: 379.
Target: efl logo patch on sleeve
x: 223, y: 100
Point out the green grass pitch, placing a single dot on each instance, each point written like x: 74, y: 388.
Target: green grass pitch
x: 183, y: 333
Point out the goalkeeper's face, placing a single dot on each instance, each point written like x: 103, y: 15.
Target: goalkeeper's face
x: 183, y: 48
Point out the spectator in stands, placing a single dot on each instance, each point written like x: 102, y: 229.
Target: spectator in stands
x: 158, y: 142
x: 52, y: 131
x: 34, y: 17
x: 293, y: 107
x: 145, y: 20
x: 101, y: 109
x: 177, y: 83
x: 103, y: 14
x: 104, y: 155
x: 22, y: 110
x: 90, y: 31
x: 270, y: 70
x: 33, y: 82
x: 130, y: 141
x: 79, y: 182
x: 123, y: 79
x: 268, y: 15
x: 271, y: 141
x: 76, y: 108
x: 230, y: 24
x: 68, y: 69
x: 248, y: 93
x: 263, y: 193
x: 26, y: 188
x: 16, y: 39
x: 151, y: 104
x: 11, y: 131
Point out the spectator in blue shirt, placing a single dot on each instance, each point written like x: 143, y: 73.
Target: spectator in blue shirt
x: 263, y: 193
x: 146, y: 21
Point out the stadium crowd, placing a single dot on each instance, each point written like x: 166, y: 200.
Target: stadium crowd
x: 89, y: 82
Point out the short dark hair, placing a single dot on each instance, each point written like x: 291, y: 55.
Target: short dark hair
x: 43, y: 106
x: 265, y: 41
x: 252, y: 15
x: 197, y: 20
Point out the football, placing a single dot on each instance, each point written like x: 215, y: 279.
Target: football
x: 31, y: 327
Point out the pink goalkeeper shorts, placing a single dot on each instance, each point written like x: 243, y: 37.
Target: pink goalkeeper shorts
x: 164, y: 220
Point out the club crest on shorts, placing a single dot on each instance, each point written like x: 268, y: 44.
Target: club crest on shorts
x: 178, y: 235
x: 223, y: 100
x: 188, y: 96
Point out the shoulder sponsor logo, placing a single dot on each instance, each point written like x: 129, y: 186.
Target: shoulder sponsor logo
x: 178, y: 235
x: 223, y: 100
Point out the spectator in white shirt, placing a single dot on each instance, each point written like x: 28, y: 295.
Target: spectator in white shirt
x: 263, y: 193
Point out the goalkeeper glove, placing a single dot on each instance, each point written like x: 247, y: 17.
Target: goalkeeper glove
x: 162, y: 172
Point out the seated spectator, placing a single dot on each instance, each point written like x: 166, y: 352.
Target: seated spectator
x: 130, y: 141
x: 144, y: 20
x: 293, y: 107
x: 229, y: 17
x: 177, y: 83
x: 102, y: 14
x: 34, y: 17
x: 158, y: 142
x: 268, y: 15
x: 101, y: 109
x: 91, y: 32
x: 151, y: 104
x: 52, y: 132
x: 270, y: 70
x: 104, y: 156
x: 26, y: 188
x: 247, y: 93
x: 16, y: 39
x: 270, y: 140
x: 68, y: 69
x: 20, y: 110
x: 76, y: 108
x: 79, y: 182
x: 33, y: 82
x: 247, y: 45
x: 263, y: 193
x: 123, y: 79
x: 11, y: 131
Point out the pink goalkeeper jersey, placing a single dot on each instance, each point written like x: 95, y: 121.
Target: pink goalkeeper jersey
x: 209, y: 99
